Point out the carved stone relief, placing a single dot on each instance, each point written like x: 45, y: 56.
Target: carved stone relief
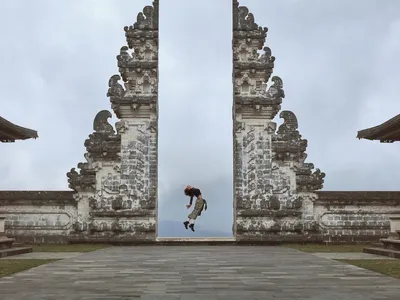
x: 119, y: 179
x: 272, y: 179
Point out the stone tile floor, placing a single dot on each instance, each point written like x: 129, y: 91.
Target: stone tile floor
x: 44, y: 255
x: 198, y: 272
x: 351, y: 255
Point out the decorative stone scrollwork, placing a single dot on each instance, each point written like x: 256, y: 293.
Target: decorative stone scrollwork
x: 115, y: 88
x: 80, y: 180
x: 276, y: 91
x: 266, y: 57
x: 287, y: 144
x: 103, y: 143
x: 244, y: 24
x: 145, y: 19
x: 124, y: 58
x: 246, y: 21
x: 145, y: 27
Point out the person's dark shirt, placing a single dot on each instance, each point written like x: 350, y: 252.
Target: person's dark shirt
x: 194, y: 192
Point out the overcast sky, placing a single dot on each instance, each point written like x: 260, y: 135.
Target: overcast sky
x: 338, y: 60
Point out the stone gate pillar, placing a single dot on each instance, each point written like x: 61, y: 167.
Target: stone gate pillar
x: 117, y: 186
x: 273, y: 187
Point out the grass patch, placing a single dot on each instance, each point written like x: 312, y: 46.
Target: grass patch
x: 68, y: 247
x: 12, y: 266
x: 389, y: 267
x: 327, y: 248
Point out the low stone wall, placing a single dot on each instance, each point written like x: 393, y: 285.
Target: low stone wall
x: 355, y: 216
x: 49, y: 216
x: 38, y: 216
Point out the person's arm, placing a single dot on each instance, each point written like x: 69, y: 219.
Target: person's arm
x: 191, y: 200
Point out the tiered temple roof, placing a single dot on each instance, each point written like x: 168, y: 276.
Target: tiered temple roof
x: 387, y: 132
x: 10, y: 132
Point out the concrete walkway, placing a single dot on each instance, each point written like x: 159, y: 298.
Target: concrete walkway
x: 44, y: 255
x: 198, y: 272
x: 351, y: 255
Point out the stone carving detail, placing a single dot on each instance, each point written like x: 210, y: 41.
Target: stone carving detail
x: 138, y: 65
x: 102, y: 145
x: 307, y: 180
x: 116, y: 90
x: 271, y: 176
x: 148, y: 19
x: 288, y: 144
x: 118, y: 183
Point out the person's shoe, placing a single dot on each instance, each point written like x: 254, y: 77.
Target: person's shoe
x: 186, y: 223
x: 192, y: 227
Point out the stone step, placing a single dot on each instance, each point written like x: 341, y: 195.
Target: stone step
x: 391, y: 244
x: 6, y: 243
x: 14, y: 251
x: 382, y: 251
x: 195, y: 241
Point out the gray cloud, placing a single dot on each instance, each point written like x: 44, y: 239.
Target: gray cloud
x: 338, y: 60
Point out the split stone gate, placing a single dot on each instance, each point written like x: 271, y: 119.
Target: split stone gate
x: 116, y: 188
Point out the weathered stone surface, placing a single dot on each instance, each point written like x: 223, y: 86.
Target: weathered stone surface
x: 103, y: 145
x: 273, y: 184
x: 355, y: 216
x: 331, y: 217
x: 201, y: 273
x: 117, y: 187
x: 38, y: 216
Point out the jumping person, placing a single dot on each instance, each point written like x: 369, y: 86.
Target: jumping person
x: 198, y: 206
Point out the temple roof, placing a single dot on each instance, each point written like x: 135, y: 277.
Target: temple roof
x: 10, y: 132
x: 387, y: 132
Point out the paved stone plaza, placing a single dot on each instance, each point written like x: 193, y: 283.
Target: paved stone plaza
x: 198, y: 272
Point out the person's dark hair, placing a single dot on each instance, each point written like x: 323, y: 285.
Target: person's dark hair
x: 187, y: 191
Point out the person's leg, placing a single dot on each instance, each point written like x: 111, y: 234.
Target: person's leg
x: 187, y: 222
x: 191, y: 226
x: 195, y: 213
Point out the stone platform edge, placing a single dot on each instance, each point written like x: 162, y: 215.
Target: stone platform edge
x: 382, y: 252
x: 267, y: 241
x: 15, y: 251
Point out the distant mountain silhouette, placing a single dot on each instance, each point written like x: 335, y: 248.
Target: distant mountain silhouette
x: 176, y: 229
